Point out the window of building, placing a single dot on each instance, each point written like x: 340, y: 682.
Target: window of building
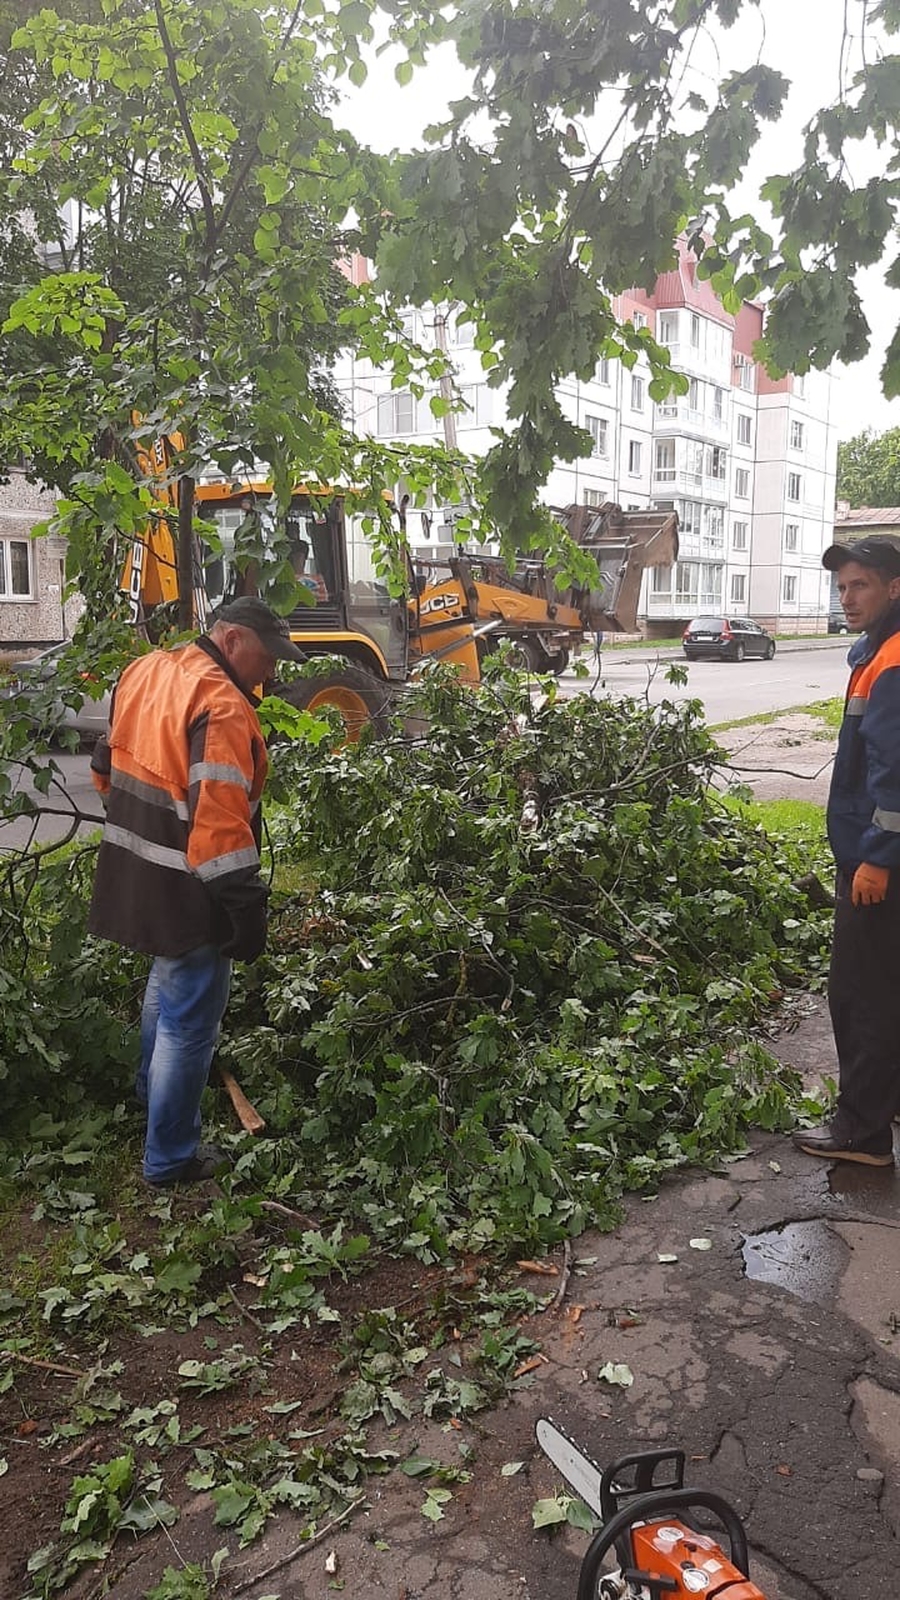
x: 793, y: 486
x: 480, y: 401
x: 689, y: 513
x: 718, y: 461
x: 661, y: 580
x: 595, y: 497
x: 693, y: 462
x: 799, y: 386
x: 738, y: 587
x: 462, y: 334
x: 601, y: 372
x: 715, y: 527
x: 687, y: 583
x: 634, y: 458
x: 718, y: 399
x: 396, y: 412
x: 639, y: 319
x: 745, y: 428
x: 739, y: 536
x: 695, y: 331
x: 693, y: 395
x: 796, y: 435
x: 15, y: 570
x: 711, y: 585
x: 598, y: 428
x: 791, y: 535
x: 789, y: 588
x: 742, y: 483
x: 637, y: 392
x: 744, y: 371
x: 664, y: 465
x: 667, y: 332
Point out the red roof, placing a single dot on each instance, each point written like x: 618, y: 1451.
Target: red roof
x: 682, y: 287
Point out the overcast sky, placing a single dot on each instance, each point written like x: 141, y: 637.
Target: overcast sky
x: 802, y: 39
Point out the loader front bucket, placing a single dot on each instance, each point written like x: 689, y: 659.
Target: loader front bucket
x: 624, y: 544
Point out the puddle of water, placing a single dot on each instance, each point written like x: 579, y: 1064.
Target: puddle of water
x: 871, y: 1189
x: 803, y: 1257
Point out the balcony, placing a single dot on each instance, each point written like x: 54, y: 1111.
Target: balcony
x: 672, y: 418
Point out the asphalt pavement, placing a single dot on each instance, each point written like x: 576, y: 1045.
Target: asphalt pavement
x: 756, y: 1310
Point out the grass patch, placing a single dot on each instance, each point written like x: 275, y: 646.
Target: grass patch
x: 802, y: 821
x: 828, y: 712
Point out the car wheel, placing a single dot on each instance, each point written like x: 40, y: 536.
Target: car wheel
x: 739, y: 652
x: 770, y: 649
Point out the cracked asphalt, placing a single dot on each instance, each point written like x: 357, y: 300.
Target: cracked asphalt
x: 770, y: 1358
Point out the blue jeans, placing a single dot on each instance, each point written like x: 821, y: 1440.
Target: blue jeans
x: 184, y: 1004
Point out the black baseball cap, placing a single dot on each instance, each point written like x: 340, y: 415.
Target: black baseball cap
x: 873, y: 552
x: 250, y: 612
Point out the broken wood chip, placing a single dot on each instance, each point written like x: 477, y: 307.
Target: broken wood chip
x: 545, y: 1269
x: 531, y: 1365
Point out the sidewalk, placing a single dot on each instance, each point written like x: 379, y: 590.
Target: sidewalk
x: 756, y: 1309
x: 647, y: 651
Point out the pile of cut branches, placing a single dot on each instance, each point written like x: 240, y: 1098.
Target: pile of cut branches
x: 527, y: 971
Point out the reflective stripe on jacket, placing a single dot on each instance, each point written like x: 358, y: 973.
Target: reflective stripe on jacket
x: 864, y: 800
x: 181, y: 769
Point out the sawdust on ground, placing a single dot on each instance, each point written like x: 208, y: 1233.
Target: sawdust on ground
x: 789, y: 758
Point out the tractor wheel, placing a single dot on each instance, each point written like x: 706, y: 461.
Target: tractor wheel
x: 361, y: 698
x: 527, y: 655
x: 558, y: 662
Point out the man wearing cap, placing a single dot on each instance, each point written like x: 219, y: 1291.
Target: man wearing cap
x: 181, y: 771
x: 864, y: 833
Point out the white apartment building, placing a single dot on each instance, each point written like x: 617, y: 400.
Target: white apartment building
x: 748, y: 462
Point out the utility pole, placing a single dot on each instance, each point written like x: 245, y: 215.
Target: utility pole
x: 446, y: 386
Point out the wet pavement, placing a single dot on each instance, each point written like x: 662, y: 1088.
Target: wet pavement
x: 765, y: 1344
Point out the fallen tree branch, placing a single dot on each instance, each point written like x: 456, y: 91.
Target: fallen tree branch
x: 45, y: 1366
x: 301, y: 1549
x: 565, y: 1275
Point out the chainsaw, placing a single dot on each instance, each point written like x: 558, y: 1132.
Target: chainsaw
x: 648, y: 1520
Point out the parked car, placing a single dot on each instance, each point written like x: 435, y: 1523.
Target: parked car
x: 726, y: 639
x: 49, y: 682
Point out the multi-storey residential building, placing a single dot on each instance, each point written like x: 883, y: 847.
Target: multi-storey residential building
x: 33, y: 610
x: 747, y: 461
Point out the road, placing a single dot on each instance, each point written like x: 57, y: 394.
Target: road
x: 727, y: 689
x: 71, y: 795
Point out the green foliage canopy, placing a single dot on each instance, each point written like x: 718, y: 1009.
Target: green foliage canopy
x: 199, y: 149
x: 869, y: 468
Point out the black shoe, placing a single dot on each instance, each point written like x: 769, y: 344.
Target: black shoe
x: 822, y: 1142
x: 206, y: 1162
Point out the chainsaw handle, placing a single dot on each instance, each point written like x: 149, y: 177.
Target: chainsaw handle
x: 660, y: 1504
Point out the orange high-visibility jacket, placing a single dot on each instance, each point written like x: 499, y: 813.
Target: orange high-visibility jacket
x: 181, y: 771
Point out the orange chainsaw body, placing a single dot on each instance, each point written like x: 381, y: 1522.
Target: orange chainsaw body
x: 667, y: 1549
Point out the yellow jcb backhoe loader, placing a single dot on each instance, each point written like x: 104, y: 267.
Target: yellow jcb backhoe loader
x: 381, y: 641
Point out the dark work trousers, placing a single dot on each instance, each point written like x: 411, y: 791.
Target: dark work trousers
x: 864, y: 999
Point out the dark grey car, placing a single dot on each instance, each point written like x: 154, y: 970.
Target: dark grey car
x: 726, y: 639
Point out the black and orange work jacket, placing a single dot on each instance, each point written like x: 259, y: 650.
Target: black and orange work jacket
x: 181, y: 771
x: 864, y: 799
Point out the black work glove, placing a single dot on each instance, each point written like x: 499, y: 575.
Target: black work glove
x: 248, y: 937
x: 242, y: 903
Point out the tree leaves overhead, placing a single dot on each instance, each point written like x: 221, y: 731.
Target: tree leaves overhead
x: 869, y: 469
x: 190, y: 155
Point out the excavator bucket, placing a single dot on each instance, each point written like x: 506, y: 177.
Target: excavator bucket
x: 624, y: 544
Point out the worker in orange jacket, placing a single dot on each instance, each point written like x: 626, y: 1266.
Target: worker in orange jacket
x: 181, y: 772
x: 864, y: 833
